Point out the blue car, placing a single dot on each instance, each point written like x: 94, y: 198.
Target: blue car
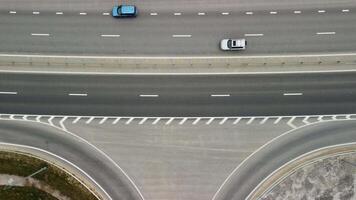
x: 124, y: 11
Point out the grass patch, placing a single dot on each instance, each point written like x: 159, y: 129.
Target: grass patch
x: 21, y: 165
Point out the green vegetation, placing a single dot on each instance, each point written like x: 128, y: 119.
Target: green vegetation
x: 21, y: 165
x: 23, y: 193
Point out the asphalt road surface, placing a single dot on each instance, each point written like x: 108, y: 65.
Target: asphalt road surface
x: 178, y: 95
x: 282, y: 150
x: 177, y: 27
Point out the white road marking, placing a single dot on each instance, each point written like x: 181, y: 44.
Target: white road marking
x: 273, y: 12
x: 305, y: 120
x: 153, y: 14
x: 325, y: 33
x: 38, y: 118
x: 249, y: 13
x: 334, y: 117
x: 103, y: 120
x: 264, y: 120
x: 290, y: 122
x: 40, y: 34
x: 220, y: 95
x: 223, y: 120
x: 177, y: 14
x: 11, y: 117
x: 170, y: 120
x: 182, y: 121
x: 277, y: 120
x: 106, y: 13
x: 201, y: 13
x: 130, y: 120
x: 50, y: 120
x: 250, y: 120
x: 293, y: 94
x: 36, y: 13
x: 181, y: 36
x: 10, y: 93
x: 59, y: 13
x: 110, y: 35
x: 253, y: 34
x: 116, y: 120
x: 78, y: 94
x: 196, y: 121
x: 321, y: 11
x: 149, y: 95
x: 12, y: 12
x: 61, y: 123
x: 82, y: 13
x: 237, y: 120
x: 209, y: 121
x: 89, y: 120
x: 76, y: 120
x: 142, y: 120
x: 225, y: 13
x: 320, y: 118
x: 345, y: 10
x: 348, y: 117
x: 156, y: 121
x: 25, y: 117
x: 297, y: 12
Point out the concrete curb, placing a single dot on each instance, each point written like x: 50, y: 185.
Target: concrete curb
x: 237, y: 64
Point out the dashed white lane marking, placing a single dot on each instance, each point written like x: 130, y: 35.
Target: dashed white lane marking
x: 201, y: 13
x: 250, y: 120
x: 106, y: 13
x: 103, y: 120
x: 321, y: 11
x: 209, y: 121
x: 182, y: 121
x: 40, y: 34
x: 35, y: 12
x: 153, y: 14
x: 290, y: 122
x: 116, y: 120
x: 59, y: 13
x: 130, y: 120
x: 249, y: 13
x: 326, y: 33
x: 177, y: 14
x: 277, y: 120
x: 82, y: 13
x: 78, y: 94
x: 220, y: 95
x: 196, y: 121
x: 76, y: 120
x: 12, y: 12
x: 223, y: 121
x: 253, y: 34
x: 89, y: 120
x: 156, y: 121
x: 149, y: 95
x: 225, y: 13
x: 237, y: 120
x: 181, y: 36
x: 293, y: 94
x: 10, y: 93
x: 297, y: 12
x: 142, y: 120
x: 345, y: 10
x: 264, y: 120
x: 273, y: 12
x: 109, y: 35
x: 169, y: 121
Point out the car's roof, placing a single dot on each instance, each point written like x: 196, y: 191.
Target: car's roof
x: 127, y: 9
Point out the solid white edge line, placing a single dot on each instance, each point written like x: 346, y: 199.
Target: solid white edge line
x: 149, y: 95
x: 40, y: 34
x: 326, y: 33
x: 78, y: 94
x: 253, y: 153
x: 293, y: 94
x: 11, y: 93
x: 64, y: 160
x: 181, y: 36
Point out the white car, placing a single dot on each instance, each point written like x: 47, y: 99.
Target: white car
x: 233, y: 44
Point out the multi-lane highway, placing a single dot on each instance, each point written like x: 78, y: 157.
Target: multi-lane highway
x: 178, y: 95
x: 177, y: 28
